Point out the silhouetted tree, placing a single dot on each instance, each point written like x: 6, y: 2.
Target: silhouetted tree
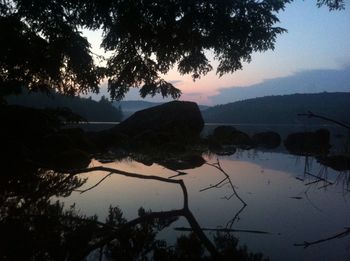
x: 89, y: 109
x: 44, y: 47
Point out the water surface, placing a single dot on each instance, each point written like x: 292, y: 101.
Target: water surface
x: 282, y: 193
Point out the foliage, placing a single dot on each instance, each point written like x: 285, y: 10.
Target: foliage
x: 45, y: 49
x: 88, y: 109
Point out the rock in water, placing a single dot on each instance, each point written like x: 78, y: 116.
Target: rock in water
x: 308, y: 143
x: 174, y: 121
x: 268, y: 139
x: 228, y: 135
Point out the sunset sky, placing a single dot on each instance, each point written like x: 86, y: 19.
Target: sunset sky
x: 317, y: 41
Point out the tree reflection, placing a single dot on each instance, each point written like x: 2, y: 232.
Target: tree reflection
x: 35, y: 227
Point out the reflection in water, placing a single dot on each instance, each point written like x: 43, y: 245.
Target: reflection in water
x: 37, y: 228
x: 273, y: 202
x: 270, y: 184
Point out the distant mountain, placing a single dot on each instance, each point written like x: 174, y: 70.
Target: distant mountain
x: 135, y: 105
x: 132, y: 106
x: 308, y: 81
x: 100, y: 111
x: 281, y: 109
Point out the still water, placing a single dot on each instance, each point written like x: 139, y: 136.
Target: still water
x: 286, y: 197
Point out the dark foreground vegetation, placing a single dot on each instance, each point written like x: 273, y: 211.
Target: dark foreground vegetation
x: 87, y: 108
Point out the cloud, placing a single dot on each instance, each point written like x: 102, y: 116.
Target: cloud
x: 176, y: 82
x: 308, y: 81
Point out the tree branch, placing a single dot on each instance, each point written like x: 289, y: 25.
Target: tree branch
x: 310, y: 114
x: 153, y: 215
x: 217, y: 165
x: 224, y: 230
x: 94, y: 186
x: 135, y: 175
x: 306, y: 244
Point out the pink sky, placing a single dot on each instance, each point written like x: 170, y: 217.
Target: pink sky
x: 316, y: 39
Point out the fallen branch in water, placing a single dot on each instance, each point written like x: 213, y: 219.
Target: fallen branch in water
x: 179, y: 173
x: 306, y: 244
x: 135, y: 175
x: 94, y: 186
x: 186, y: 229
x: 310, y: 114
x: 236, y: 217
x: 227, y: 178
x: 185, y: 211
x: 318, y: 179
x: 217, y: 185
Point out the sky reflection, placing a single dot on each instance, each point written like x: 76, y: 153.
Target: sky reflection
x: 279, y: 202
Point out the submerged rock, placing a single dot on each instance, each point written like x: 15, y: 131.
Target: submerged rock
x: 268, y: 140
x: 182, y: 163
x: 228, y: 135
x: 312, y: 143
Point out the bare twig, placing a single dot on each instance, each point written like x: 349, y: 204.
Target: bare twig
x: 179, y: 173
x: 310, y: 114
x: 153, y: 215
x: 306, y: 244
x: 236, y: 217
x: 217, y: 185
x: 217, y: 165
x: 312, y: 204
x: 319, y: 178
x: 94, y: 186
x: 224, y: 230
x: 135, y: 175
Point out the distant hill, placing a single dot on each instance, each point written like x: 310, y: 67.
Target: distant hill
x: 132, y: 106
x: 281, y: 109
x: 100, y: 111
x: 135, y: 105
x: 308, y: 81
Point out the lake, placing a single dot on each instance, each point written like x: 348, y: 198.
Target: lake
x: 289, y: 199
x: 146, y: 199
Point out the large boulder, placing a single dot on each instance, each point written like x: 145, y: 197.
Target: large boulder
x: 179, y: 121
